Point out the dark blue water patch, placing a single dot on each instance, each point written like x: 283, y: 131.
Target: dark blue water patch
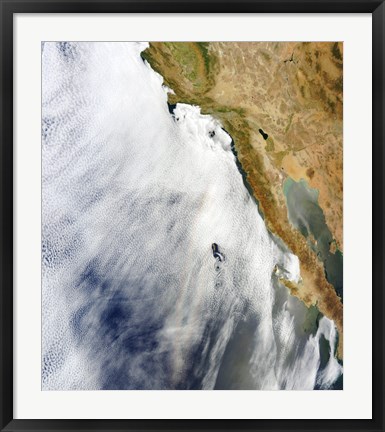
x: 143, y: 339
x: 129, y: 345
x: 113, y: 319
x: 123, y: 341
x: 91, y: 278
x: 338, y: 385
x: 307, y: 216
x: 119, y: 326
x: 326, y: 353
x: 118, y: 322
x: 150, y: 371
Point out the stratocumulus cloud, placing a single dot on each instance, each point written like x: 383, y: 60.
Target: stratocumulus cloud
x: 133, y: 199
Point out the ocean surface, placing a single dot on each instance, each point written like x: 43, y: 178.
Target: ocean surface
x: 134, y: 196
x: 308, y: 217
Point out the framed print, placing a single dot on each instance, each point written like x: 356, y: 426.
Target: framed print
x: 192, y: 215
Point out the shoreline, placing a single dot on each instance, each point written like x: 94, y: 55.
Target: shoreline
x: 194, y: 81
x: 307, y: 216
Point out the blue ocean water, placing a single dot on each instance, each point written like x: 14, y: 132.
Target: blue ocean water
x: 134, y: 197
x: 308, y: 217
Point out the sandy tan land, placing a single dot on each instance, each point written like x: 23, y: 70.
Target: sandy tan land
x: 292, y: 94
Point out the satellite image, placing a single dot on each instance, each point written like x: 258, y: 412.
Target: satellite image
x: 192, y: 208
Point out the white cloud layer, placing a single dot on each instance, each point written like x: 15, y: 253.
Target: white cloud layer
x: 133, y: 199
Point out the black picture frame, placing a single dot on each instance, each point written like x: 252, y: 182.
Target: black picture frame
x: 8, y: 8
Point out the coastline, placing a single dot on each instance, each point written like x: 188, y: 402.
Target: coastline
x: 196, y: 80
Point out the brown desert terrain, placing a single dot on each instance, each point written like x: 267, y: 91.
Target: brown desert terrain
x: 282, y: 104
